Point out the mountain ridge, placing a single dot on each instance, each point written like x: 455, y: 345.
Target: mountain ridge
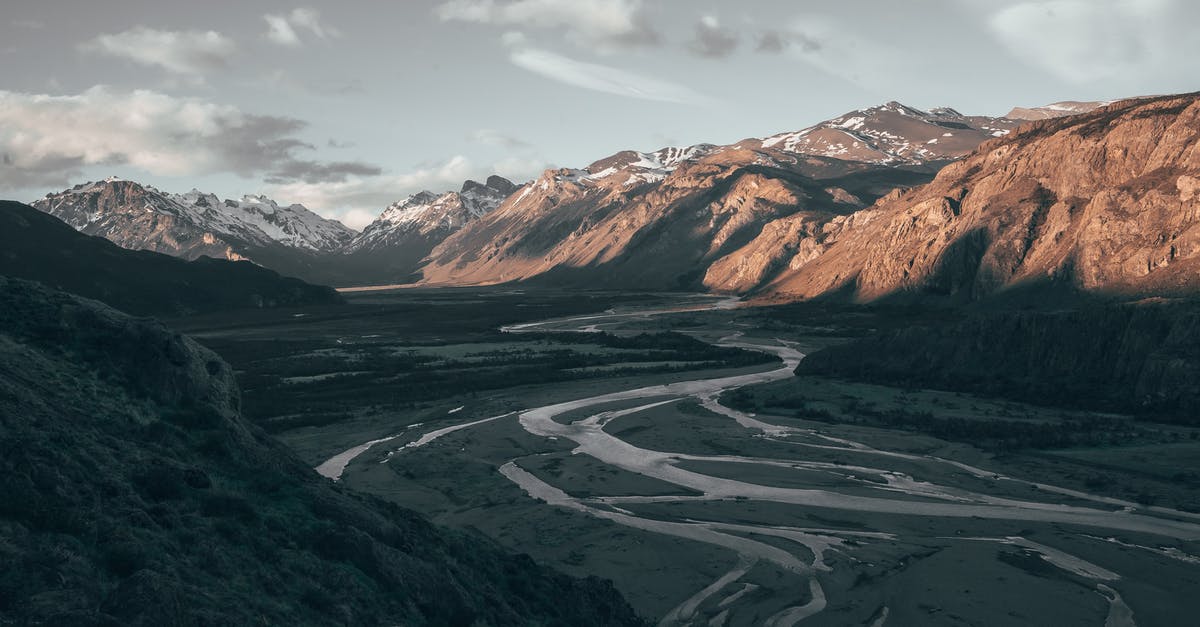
x: 1102, y: 202
x: 800, y: 187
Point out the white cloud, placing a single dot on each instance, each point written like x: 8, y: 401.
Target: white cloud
x: 1088, y: 40
x: 520, y: 169
x: 596, y: 23
x: 356, y: 219
x: 285, y: 29
x: 47, y: 140
x: 837, y: 49
x: 602, y: 78
x: 280, y: 31
x: 181, y: 52
x: 376, y: 192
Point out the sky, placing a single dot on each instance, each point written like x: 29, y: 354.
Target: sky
x: 348, y: 106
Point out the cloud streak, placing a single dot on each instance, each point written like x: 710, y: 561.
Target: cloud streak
x: 602, y: 78
x: 594, y: 23
x: 179, y: 52
x: 490, y: 137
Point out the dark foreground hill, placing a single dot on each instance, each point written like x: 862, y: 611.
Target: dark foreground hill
x: 37, y: 246
x: 132, y: 492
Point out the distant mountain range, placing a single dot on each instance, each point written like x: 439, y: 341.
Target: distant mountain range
x: 190, y: 225
x: 730, y: 218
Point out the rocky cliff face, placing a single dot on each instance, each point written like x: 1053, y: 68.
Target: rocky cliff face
x: 132, y: 492
x: 1105, y: 202
x: 638, y: 223
x: 725, y: 218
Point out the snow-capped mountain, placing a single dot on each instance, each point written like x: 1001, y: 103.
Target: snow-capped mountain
x: 254, y: 217
x: 893, y: 133
x: 392, y: 248
x: 427, y: 215
x: 191, y: 225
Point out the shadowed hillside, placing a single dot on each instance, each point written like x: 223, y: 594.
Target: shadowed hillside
x: 39, y: 247
x: 1141, y: 358
x: 133, y: 492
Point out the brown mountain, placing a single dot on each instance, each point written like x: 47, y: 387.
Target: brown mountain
x: 1105, y: 202
x: 681, y: 218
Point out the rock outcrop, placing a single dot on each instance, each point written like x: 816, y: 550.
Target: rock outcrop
x: 1103, y: 202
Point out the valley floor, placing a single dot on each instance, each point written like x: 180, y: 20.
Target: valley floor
x: 709, y: 483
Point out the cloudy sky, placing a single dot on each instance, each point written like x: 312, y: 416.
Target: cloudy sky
x: 347, y: 106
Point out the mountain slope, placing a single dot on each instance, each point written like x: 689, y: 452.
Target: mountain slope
x: 132, y: 492
x: 37, y: 246
x: 680, y: 218
x: 608, y: 226
x: 1105, y: 202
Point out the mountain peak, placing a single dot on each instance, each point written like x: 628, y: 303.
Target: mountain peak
x: 893, y: 133
x: 495, y: 183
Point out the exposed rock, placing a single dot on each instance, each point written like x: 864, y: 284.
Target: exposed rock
x: 724, y: 218
x: 1101, y: 202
